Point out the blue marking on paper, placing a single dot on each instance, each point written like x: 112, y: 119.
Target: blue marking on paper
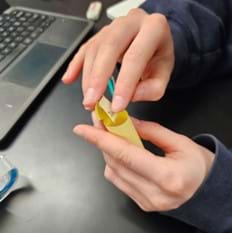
x: 12, y: 177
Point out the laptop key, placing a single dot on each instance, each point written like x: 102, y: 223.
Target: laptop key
x: 7, y: 40
x: 28, y: 14
x: 31, y: 28
x: 12, y: 45
x: 14, y: 34
x: 5, y: 34
x: 11, y: 29
x: 6, y: 25
x: 23, y: 19
x: 19, y: 14
x: 6, y: 51
x: 18, y: 39
x: 2, y: 46
x: 34, y: 35
x: 20, y: 29
x: 26, y: 24
x: 17, y: 23
x: 27, y: 41
x: 25, y: 33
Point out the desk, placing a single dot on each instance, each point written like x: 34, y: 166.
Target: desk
x: 69, y: 193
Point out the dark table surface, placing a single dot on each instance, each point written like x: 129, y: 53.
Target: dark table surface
x: 69, y: 193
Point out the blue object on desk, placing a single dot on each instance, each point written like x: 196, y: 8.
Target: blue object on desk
x: 8, y: 177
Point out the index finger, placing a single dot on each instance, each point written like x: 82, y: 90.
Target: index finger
x: 75, y: 66
x: 135, y: 60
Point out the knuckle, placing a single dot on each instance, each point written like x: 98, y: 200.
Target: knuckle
x: 162, y: 204
x: 105, y: 29
x: 159, y: 90
x: 97, y: 141
x: 174, y: 204
x: 123, y: 157
x: 175, y: 185
x: 120, y: 20
x: 135, y: 12
x: 159, y: 19
x: 159, y: 203
x: 111, y: 41
x: 82, y: 48
x: 145, y: 208
x: 108, y: 174
x: 184, y: 141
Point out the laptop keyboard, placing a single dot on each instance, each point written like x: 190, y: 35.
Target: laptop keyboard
x: 18, y: 30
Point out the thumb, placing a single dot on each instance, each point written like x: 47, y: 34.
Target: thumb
x: 165, y: 139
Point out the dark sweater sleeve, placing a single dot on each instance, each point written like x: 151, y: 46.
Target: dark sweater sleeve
x: 202, y: 34
x: 210, y: 209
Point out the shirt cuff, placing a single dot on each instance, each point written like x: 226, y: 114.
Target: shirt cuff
x: 210, y: 209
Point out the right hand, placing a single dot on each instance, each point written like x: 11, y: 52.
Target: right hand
x: 154, y: 183
x: 142, y: 43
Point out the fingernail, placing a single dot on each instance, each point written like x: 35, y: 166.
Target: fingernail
x: 66, y: 75
x: 87, y: 108
x: 118, y: 104
x: 90, y: 96
x: 77, y: 130
x: 94, y: 119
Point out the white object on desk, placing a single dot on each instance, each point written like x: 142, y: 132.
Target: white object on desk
x: 122, y: 8
x: 94, y: 10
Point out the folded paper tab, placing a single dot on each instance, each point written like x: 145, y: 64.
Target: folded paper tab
x: 118, y: 124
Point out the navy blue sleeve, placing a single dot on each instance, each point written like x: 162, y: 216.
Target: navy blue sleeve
x: 202, y: 34
x: 210, y: 209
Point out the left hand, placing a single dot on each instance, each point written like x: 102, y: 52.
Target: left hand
x: 154, y: 183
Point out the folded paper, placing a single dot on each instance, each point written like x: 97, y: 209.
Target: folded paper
x: 118, y: 124
x: 10, y: 180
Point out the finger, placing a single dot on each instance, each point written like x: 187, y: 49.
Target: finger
x: 96, y: 122
x: 135, y: 61
x: 88, y: 65
x: 160, y: 136
x: 112, y: 177
x: 155, y: 198
x: 75, y: 66
x: 116, y: 40
x: 137, y: 159
x: 153, y: 87
x: 143, y: 186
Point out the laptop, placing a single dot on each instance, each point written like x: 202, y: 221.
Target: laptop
x: 33, y: 46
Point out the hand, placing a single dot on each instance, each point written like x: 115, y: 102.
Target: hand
x: 144, y: 45
x: 154, y: 183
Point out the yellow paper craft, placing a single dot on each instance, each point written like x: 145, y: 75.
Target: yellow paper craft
x: 119, y: 124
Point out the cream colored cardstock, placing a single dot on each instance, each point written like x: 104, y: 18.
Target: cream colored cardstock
x: 119, y: 124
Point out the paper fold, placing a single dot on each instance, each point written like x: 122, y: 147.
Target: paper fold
x: 118, y: 124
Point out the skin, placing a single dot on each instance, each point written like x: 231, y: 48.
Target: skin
x: 144, y: 46
x: 154, y: 183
